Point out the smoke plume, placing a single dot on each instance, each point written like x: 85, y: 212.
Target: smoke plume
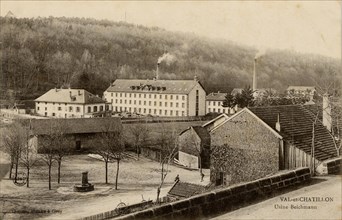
x: 167, y: 58
x: 259, y: 54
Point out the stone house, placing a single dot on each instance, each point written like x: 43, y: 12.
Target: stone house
x: 80, y: 133
x: 194, y: 147
x: 259, y: 141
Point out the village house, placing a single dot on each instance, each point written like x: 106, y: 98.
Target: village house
x: 260, y: 141
x: 194, y: 147
x: 80, y: 133
x: 157, y: 97
x: 214, y: 103
x: 71, y: 103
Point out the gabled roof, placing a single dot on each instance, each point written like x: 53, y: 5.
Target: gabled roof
x: 153, y: 86
x: 74, y: 125
x: 216, y: 96
x: 203, y: 134
x: 77, y: 96
x: 224, y: 116
x: 185, y: 190
x: 296, y: 124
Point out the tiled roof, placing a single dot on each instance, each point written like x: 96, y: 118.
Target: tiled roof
x: 185, y: 190
x: 77, y: 96
x: 296, y: 123
x: 75, y: 125
x: 153, y: 86
x: 303, y: 88
x: 216, y: 96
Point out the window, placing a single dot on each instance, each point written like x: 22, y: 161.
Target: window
x: 155, y: 111
x: 165, y: 97
x: 150, y: 111
x: 134, y: 95
x: 171, y: 97
x: 116, y: 95
x: 144, y: 95
x: 144, y: 110
x: 111, y: 101
x: 171, y: 104
x: 45, y: 113
x: 120, y: 101
x: 183, y: 97
x: 70, y: 108
x: 89, y: 109
x: 149, y: 103
x: 125, y: 101
x: 160, y: 96
x: 38, y: 108
x: 176, y: 104
x: 111, y: 94
x: 53, y: 114
x: 130, y: 101
x: 149, y: 95
x: 139, y: 95
x: 176, y: 97
x: 165, y: 112
x: 144, y: 102
x: 155, y: 103
x: 165, y: 104
x: 135, y: 102
x: 125, y: 95
x: 45, y: 108
x: 160, y: 104
x: 219, y: 110
x: 155, y: 96
x: 139, y: 102
x: 183, y: 105
x: 130, y: 95
x: 77, y: 109
x: 176, y: 113
x: 171, y: 112
x: 214, y: 103
x: 116, y: 101
x: 95, y: 108
x: 120, y: 94
x: 101, y: 108
x: 183, y: 113
x: 214, y: 110
x: 160, y: 112
x: 209, y: 110
x: 59, y: 108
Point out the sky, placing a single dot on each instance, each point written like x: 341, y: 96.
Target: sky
x: 300, y: 26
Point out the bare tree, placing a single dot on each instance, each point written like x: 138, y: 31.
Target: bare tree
x: 29, y: 152
x: 110, y: 147
x: 168, y: 150
x: 140, y: 133
x: 13, y: 140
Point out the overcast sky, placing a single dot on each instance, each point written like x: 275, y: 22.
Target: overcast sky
x: 309, y: 27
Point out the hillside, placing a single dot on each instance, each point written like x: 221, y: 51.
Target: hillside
x: 43, y: 53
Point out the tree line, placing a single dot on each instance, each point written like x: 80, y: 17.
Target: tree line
x: 44, y: 53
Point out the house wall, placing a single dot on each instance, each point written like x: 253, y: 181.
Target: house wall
x: 66, y: 110
x: 192, y: 101
x: 148, y: 103
x: 188, y: 160
x: 216, y: 106
x: 295, y: 158
x: 243, y: 149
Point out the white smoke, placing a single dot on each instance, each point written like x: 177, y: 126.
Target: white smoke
x: 167, y: 58
x: 259, y: 54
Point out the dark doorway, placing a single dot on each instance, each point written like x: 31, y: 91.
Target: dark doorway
x: 78, y: 145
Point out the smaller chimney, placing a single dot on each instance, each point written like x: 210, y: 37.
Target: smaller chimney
x: 157, y: 72
x: 70, y: 93
x: 79, y: 92
x: 195, y: 78
x: 327, y: 120
x: 277, y: 125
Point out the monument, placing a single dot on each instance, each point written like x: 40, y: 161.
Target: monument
x: 85, y: 186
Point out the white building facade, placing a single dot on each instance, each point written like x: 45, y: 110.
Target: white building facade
x: 214, y: 104
x: 71, y: 103
x: 157, y: 97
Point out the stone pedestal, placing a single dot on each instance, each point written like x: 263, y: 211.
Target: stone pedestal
x: 85, y: 186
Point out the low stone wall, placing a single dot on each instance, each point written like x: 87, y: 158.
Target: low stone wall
x: 334, y: 166
x: 224, y: 199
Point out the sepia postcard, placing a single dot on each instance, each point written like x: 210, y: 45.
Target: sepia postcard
x: 170, y: 110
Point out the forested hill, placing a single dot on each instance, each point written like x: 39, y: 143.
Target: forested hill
x: 43, y: 53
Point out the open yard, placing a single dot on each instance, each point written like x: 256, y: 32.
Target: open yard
x: 137, y: 179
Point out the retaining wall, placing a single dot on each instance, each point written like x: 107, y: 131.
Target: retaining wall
x: 334, y: 166
x: 224, y: 199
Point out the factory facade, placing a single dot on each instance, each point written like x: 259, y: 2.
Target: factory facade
x: 157, y: 97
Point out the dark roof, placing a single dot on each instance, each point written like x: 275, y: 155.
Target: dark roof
x: 216, y: 96
x: 203, y: 134
x: 296, y: 123
x: 185, y: 190
x: 79, y: 96
x: 75, y: 125
x: 153, y: 86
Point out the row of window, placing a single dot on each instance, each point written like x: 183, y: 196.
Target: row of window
x: 150, y: 111
x: 225, y: 110
x: 214, y: 103
x: 139, y: 95
x: 171, y: 104
x: 78, y: 109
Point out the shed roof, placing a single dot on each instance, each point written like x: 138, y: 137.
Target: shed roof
x: 296, y: 124
x: 75, y: 125
x: 185, y: 190
x: 153, y: 86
